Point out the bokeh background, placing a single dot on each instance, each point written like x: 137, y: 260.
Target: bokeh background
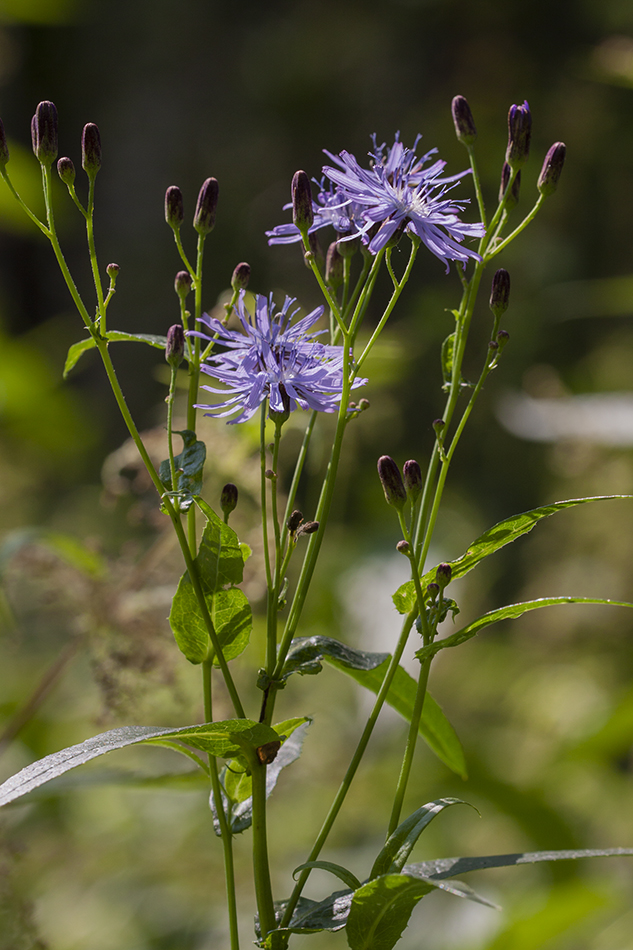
x: 121, y: 854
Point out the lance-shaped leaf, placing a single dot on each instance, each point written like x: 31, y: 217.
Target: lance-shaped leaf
x: 399, y: 845
x: 189, y: 465
x: 77, y: 350
x: 305, y: 655
x: 328, y: 914
x: 344, y: 874
x: 224, y: 739
x: 505, y: 532
x: 449, y: 867
x: 238, y: 784
x: 509, y: 612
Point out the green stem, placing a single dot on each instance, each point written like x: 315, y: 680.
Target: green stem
x: 194, y: 372
x: 25, y: 207
x: 170, y: 439
x: 412, y: 737
x: 292, y: 494
x: 309, y: 257
x: 261, y: 868
x: 93, y: 256
x: 477, y: 183
x: 530, y: 217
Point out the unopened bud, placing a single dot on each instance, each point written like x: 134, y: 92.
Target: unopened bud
x: 308, y: 527
x: 44, y: 133
x: 204, y: 218
x: 443, y: 575
x: 333, y: 267
x: 551, y: 170
x: 228, y: 498
x: 91, y: 150
x: 519, y: 134
x: 403, y: 546
x: 364, y: 404
x: 4, y: 148
x: 500, y: 292
x: 112, y: 270
x: 392, y: 483
x: 175, y: 349
x: 269, y: 474
x: 503, y: 338
x: 294, y: 521
x: 348, y: 248
x: 183, y: 283
x: 438, y: 427
x: 174, y: 209
x: 66, y: 170
x: 302, y: 214
x: 465, y: 129
x: 412, y: 478
x: 433, y: 590
x: 241, y: 276
x: 513, y: 198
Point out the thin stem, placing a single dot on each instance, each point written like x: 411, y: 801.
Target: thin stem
x: 261, y: 867
x: 477, y: 183
x: 194, y: 371
x: 292, y: 494
x: 93, y: 256
x: 263, y: 491
x: 310, y: 260
x: 407, y: 761
x: 181, y: 251
x: 25, y: 207
x: 530, y: 217
x: 170, y: 438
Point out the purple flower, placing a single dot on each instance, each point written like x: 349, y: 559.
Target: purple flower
x: 398, y: 190
x: 332, y: 208
x: 272, y: 359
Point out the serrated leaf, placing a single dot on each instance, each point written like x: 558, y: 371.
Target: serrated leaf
x: 510, y: 612
x: 305, y: 655
x: 222, y: 739
x: 189, y: 465
x: 77, y: 350
x: 344, y: 874
x: 239, y: 786
x: 434, y: 728
x: 399, y: 845
x: 449, y: 867
x: 380, y: 911
x: 504, y: 532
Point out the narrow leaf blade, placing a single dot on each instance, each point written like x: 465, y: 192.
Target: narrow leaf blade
x: 449, y: 867
x: 344, y: 874
x: 306, y: 653
x: 399, y: 845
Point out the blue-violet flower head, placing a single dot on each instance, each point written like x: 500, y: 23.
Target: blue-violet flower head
x: 270, y: 358
x: 331, y: 209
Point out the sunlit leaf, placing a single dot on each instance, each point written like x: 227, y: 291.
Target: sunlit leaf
x: 344, y: 874
x: 449, y: 867
x: 77, y: 350
x: 189, y: 465
x: 380, y: 911
x: 305, y: 655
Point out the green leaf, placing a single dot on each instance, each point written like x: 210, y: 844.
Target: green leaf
x: 185, y: 619
x: 434, y: 728
x: 223, y: 739
x: 305, y: 655
x: 448, y: 349
x: 189, y: 465
x: 344, y: 874
x: 233, y: 621
x: 78, y: 349
x: 449, y: 867
x: 510, y: 612
x: 399, y: 845
x: 505, y: 532
x: 220, y: 560
x: 238, y: 784
x: 380, y: 911
x: 329, y: 914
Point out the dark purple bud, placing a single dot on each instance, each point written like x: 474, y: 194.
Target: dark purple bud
x: 333, y: 267
x: 91, y: 150
x: 465, y: 129
x: 228, y: 498
x: 519, y: 133
x: 438, y: 426
x: 348, y: 248
x: 204, y: 218
x: 392, y: 483
x: 270, y: 474
x: 551, y: 170
x: 66, y: 170
x: 44, y: 133
x: 412, y: 478
x: 443, y: 575
x: 175, y: 349
x: 241, y: 276
x: 503, y: 338
x: 294, y: 521
x: 308, y: 527
x: 183, y: 283
x: 433, y: 590
x: 4, y: 148
x: 403, y: 546
x: 500, y: 292
x: 174, y: 209
x: 112, y: 270
x: 302, y: 215
x: 279, y: 416
x: 513, y: 198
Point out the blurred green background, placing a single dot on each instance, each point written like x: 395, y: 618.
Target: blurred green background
x: 249, y: 92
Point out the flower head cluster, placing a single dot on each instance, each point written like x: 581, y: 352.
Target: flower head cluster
x: 272, y: 359
x: 397, y: 191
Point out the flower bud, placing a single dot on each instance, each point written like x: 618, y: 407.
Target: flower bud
x: 66, y: 170
x: 241, y: 276
x: 308, y: 527
x: 433, y: 590
x: 302, y: 215
x: 333, y: 267
x: 513, y: 198
x: 204, y: 218
x: 412, y: 478
x: 91, y: 150
x: 551, y: 170
x: 4, y: 148
x: 112, y: 270
x: 519, y: 133
x: 294, y: 521
x: 443, y: 575
x: 438, y: 427
x: 403, y: 546
x: 503, y: 338
x: 364, y: 404
x: 348, y: 248
x: 228, y: 498
x: 500, y: 292
x: 44, y: 133
x: 465, y: 129
x: 183, y: 283
x: 175, y: 349
x: 174, y: 210
x: 392, y: 484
